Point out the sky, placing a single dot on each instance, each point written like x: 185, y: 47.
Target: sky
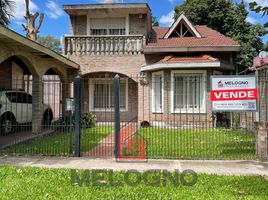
x: 56, y: 20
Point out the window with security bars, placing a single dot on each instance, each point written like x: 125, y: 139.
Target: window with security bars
x: 157, y: 92
x: 108, y: 26
x: 103, y: 94
x: 188, y: 92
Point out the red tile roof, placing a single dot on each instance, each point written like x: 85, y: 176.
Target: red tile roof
x: 203, y: 58
x: 209, y: 38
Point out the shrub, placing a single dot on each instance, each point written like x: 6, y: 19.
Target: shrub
x: 88, y: 120
x: 67, y: 122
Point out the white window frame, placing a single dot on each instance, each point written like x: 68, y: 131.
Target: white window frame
x: 189, y: 110
x: 91, y: 95
x: 154, y: 74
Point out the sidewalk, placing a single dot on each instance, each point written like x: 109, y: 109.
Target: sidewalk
x: 207, y: 167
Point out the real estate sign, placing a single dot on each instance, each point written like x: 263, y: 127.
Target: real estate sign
x: 234, y: 93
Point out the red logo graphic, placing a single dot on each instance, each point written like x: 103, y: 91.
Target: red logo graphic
x: 220, y: 84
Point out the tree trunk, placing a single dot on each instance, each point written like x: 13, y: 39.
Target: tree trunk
x: 30, y: 29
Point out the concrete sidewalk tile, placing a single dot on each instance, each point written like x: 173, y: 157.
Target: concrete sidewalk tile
x: 238, y: 167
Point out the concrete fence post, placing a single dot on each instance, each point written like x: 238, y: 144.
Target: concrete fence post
x: 37, y: 114
x: 262, y: 140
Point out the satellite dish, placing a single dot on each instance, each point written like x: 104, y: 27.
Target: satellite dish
x: 263, y: 54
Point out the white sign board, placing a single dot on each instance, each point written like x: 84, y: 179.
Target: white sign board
x: 234, y: 93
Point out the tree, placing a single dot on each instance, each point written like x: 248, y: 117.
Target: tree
x: 259, y: 9
x: 154, y: 21
x: 30, y: 29
x: 265, y: 47
x: 50, y: 42
x: 228, y: 18
x: 6, y: 11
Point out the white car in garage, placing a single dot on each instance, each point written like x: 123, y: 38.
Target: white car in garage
x: 16, y: 108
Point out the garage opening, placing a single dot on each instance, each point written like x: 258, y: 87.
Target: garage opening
x: 15, y: 100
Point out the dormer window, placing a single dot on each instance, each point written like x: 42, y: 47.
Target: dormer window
x: 182, y: 31
x: 182, y: 27
x: 108, y: 26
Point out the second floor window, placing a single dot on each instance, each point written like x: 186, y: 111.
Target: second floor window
x: 108, y: 26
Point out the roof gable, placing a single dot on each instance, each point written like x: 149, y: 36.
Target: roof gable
x: 211, y: 40
x: 182, y: 27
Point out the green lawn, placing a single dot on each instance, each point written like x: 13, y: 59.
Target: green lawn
x: 40, y: 183
x: 61, y: 144
x: 198, y: 143
x: 161, y: 143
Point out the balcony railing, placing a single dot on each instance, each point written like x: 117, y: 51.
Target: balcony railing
x: 103, y: 45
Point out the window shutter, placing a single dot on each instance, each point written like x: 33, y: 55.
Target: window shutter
x: 116, y: 23
x: 98, y: 23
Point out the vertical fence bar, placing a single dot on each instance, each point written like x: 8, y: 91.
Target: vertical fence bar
x: 77, y: 91
x: 117, y: 114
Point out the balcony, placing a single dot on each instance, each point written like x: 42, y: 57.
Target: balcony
x: 103, y: 45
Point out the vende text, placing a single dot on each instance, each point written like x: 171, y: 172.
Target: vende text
x: 226, y: 95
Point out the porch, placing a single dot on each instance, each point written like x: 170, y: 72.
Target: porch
x: 34, y: 84
x: 98, y: 96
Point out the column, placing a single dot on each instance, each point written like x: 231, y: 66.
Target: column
x: 37, y: 112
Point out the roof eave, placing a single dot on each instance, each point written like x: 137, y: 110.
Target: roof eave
x: 152, y: 50
x: 7, y: 33
x: 186, y: 65
x: 68, y: 8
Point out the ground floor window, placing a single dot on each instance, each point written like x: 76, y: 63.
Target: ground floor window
x: 188, y: 90
x: 157, y: 92
x: 102, y: 94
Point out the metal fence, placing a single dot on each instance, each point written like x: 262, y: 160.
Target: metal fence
x: 134, y: 118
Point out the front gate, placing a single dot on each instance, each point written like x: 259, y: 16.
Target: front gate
x: 115, y: 134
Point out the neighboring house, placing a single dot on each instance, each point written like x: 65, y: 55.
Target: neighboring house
x: 259, y: 63
x: 165, y: 70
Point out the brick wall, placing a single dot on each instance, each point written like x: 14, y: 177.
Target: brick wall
x: 129, y: 65
x: 137, y: 24
x: 126, y: 65
x: 78, y: 25
x: 178, y: 119
x: 263, y: 94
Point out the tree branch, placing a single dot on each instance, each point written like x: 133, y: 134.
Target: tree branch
x: 35, y: 15
x: 24, y: 27
x: 40, y: 22
x: 27, y: 8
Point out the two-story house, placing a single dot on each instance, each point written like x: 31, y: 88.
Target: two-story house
x: 165, y: 71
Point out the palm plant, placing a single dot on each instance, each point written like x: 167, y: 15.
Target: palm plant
x: 6, y: 11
